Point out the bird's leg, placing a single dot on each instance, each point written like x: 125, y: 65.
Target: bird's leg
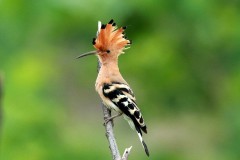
x: 111, y: 118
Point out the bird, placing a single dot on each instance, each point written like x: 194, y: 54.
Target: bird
x: 116, y: 94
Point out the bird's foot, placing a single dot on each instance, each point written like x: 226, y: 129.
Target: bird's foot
x: 111, y: 118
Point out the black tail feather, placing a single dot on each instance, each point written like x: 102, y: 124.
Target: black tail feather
x: 142, y: 141
x: 145, y: 148
x: 139, y: 130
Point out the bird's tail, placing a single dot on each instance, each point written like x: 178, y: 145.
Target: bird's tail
x: 136, y: 127
x: 142, y: 141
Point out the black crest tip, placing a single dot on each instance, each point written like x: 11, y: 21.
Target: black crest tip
x: 93, y: 41
x: 111, y: 21
x: 114, y: 24
x: 103, y: 26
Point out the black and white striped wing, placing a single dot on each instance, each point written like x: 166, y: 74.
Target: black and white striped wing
x: 123, y: 98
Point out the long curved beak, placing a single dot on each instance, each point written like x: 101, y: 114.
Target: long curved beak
x: 87, y: 54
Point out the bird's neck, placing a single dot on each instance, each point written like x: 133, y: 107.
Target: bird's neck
x: 109, y: 69
x: 108, y: 73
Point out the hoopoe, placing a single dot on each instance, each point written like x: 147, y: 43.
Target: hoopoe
x: 110, y: 85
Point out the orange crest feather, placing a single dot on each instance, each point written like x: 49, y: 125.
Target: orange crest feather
x: 110, y: 39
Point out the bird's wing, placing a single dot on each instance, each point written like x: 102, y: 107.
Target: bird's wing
x: 122, y: 96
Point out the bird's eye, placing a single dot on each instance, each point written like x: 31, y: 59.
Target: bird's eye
x: 108, y: 51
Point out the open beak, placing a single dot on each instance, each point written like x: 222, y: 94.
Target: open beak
x: 87, y: 54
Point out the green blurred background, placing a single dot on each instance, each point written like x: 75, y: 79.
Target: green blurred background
x: 183, y: 65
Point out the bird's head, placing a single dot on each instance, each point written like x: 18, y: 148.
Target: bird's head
x: 110, y: 41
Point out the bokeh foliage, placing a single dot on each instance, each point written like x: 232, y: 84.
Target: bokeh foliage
x: 183, y: 66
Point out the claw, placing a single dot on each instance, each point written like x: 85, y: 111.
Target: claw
x: 111, y: 118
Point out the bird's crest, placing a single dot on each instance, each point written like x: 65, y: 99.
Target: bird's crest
x: 110, y: 39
